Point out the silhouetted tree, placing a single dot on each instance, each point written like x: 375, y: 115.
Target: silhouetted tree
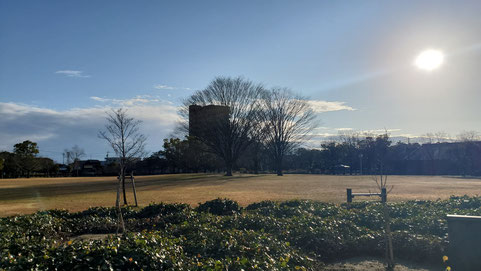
x: 468, y: 147
x: 47, y: 166
x: 350, y: 145
x: 229, y: 138
x: 73, y: 157
x: 287, y: 119
x: 175, y: 151
x: 25, y: 156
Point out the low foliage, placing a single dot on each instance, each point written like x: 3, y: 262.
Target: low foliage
x: 220, y: 207
x: 218, y: 235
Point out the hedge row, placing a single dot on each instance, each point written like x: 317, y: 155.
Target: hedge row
x: 219, y: 235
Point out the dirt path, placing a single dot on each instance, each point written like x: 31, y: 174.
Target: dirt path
x: 376, y: 264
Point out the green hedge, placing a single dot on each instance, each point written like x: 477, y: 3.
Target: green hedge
x: 220, y: 235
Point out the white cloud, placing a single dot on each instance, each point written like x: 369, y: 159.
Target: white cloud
x: 72, y: 73
x: 166, y: 87
x: 55, y: 130
x: 163, y: 87
x: 344, y: 129
x: 98, y: 99
x: 320, y: 106
x: 137, y: 100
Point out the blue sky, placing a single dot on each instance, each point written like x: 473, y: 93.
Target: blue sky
x: 64, y: 63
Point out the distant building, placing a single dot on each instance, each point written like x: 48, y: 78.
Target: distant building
x: 110, y: 161
x: 202, y: 119
x: 88, y: 168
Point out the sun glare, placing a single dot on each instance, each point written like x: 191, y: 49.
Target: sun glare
x: 429, y: 60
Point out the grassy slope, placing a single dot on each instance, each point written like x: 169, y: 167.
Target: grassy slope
x: 29, y: 195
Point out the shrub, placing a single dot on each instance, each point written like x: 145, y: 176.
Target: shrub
x: 218, y: 235
x: 220, y: 207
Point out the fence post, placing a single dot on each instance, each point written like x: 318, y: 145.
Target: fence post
x: 349, y: 195
x: 133, y: 187
x: 383, y: 195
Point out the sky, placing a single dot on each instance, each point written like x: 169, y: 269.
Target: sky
x: 64, y: 64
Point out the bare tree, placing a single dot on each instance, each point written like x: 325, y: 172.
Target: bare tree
x: 73, y: 156
x: 122, y: 134
x: 441, y: 137
x: 75, y: 153
x: 468, y: 136
x: 350, y: 140
x: 468, y: 144
x: 229, y: 133
x: 286, y: 119
x: 437, y: 137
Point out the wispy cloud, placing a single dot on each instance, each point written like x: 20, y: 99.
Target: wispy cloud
x: 320, y: 106
x: 137, y: 100
x: 344, y: 129
x: 166, y: 87
x: 73, y: 73
x: 163, y: 87
x: 98, y: 99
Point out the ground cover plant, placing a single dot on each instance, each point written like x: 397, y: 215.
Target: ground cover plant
x: 220, y: 235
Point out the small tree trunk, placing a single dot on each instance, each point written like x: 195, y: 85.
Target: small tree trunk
x: 228, y: 168
x: 279, y: 167
x: 389, y: 249
x: 256, y: 159
x: 120, y: 219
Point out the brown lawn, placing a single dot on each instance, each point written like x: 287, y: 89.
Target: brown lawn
x: 21, y: 196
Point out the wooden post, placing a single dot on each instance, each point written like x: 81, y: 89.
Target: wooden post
x: 133, y: 187
x: 349, y: 195
x: 118, y: 192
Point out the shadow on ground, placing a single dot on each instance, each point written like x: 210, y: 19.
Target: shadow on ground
x: 80, y: 187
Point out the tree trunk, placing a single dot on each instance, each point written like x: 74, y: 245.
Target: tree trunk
x: 279, y: 167
x: 256, y: 163
x: 228, y: 168
x: 120, y: 219
x: 123, y: 185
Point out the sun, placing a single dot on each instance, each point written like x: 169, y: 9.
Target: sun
x: 429, y: 60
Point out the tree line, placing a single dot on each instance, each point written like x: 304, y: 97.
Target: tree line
x: 257, y: 130
x: 347, y: 154
x: 23, y: 162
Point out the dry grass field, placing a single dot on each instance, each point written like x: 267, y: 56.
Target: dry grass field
x: 22, y: 196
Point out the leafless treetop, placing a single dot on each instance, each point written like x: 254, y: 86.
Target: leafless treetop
x: 122, y: 133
